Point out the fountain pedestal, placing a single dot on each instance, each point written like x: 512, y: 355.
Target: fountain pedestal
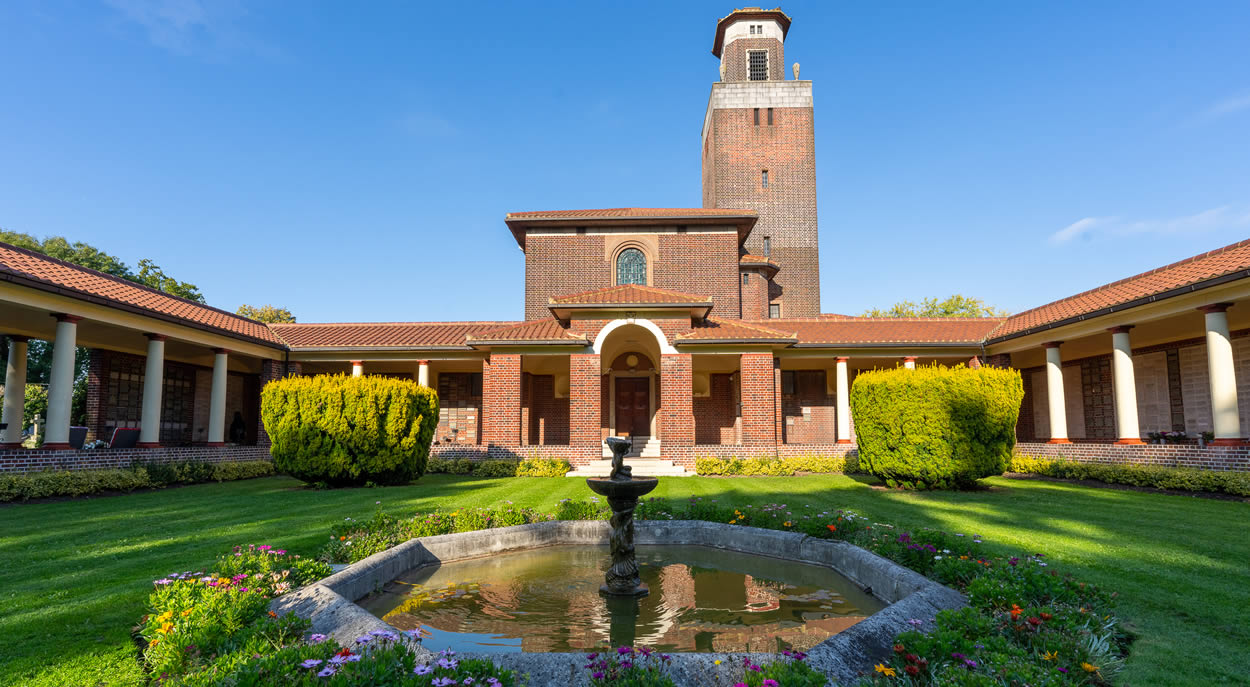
x: 622, y: 490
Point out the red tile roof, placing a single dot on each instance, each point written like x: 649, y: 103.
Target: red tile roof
x: 629, y: 213
x: 630, y: 294
x: 1213, y: 264
x: 834, y: 329
x: 382, y: 334
x: 711, y: 329
x: 545, y: 330
x: 39, y: 271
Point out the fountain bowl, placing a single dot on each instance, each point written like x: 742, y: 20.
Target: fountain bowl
x: 624, y: 489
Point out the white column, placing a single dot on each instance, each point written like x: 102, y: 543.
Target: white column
x: 1222, y: 376
x: 909, y: 362
x: 1054, y: 395
x: 844, y: 403
x: 423, y: 372
x: 1125, y: 386
x: 14, y: 392
x: 358, y: 368
x: 61, y: 382
x: 153, y: 385
x: 217, y: 402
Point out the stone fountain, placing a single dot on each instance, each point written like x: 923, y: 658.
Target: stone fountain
x: 622, y: 490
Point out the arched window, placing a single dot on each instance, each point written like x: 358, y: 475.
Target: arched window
x: 631, y: 267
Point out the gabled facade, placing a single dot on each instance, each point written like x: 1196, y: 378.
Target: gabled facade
x: 694, y: 331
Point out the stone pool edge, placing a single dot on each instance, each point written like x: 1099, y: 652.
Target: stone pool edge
x: 330, y: 602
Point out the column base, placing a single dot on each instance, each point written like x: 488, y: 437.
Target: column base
x: 58, y: 446
x: 1058, y: 441
x: 1129, y: 442
x: 10, y: 446
x: 844, y: 441
x: 148, y: 444
x: 1230, y: 441
x: 215, y: 443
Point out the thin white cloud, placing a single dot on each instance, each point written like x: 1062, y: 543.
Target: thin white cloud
x: 192, y: 27
x: 1223, y: 217
x: 1223, y: 108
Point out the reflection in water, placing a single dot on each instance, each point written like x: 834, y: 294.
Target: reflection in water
x: 548, y: 600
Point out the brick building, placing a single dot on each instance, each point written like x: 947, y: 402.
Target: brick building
x: 695, y: 331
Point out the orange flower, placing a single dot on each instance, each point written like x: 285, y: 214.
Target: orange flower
x: 272, y: 614
x: 833, y: 528
x: 342, y: 538
x: 1015, y: 612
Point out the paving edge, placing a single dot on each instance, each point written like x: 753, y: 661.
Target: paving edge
x: 330, y: 603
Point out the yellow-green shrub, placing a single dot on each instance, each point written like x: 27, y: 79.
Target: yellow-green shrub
x: 56, y: 483
x: 343, y: 430
x: 775, y: 466
x: 936, y: 427
x: 543, y: 467
x: 1157, y: 476
x: 530, y: 467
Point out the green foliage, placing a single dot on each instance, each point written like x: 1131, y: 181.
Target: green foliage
x: 530, y: 467
x: 58, y: 483
x: 150, y: 274
x: 35, y: 405
x: 628, y: 667
x: 344, y: 430
x: 936, y: 427
x: 954, y: 306
x: 775, y: 466
x: 1157, y: 476
x: 266, y: 313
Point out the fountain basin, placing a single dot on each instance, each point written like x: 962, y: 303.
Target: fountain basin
x: 623, y: 489
x: 908, y: 597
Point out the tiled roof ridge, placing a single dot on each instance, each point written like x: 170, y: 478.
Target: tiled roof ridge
x: 1190, y: 260
x: 630, y: 209
x: 521, y: 325
x: 114, y: 278
x: 746, y: 324
x: 500, y: 323
x: 621, y: 287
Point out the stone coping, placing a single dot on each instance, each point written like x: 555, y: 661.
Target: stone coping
x: 330, y: 602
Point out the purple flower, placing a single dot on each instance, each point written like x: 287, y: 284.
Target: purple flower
x: 327, y: 671
x: 467, y: 681
x: 970, y: 664
x: 1063, y: 670
x: 598, y: 675
x: 364, y: 639
x: 958, y: 656
x: 447, y: 652
x: 448, y: 663
x: 354, y: 658
x: 316, y: 638
x: 769, y: 682
x: 422, y: 669
x: 443, y: 682
x: 311, y: 663
x: 338, y: 660
x: 624, y: 650
x: 163, y: 580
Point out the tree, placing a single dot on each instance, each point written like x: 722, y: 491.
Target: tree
x: 955, y: 306
x: 150, y: 274
x: 266, y: 313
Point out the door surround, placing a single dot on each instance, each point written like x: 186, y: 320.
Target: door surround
x: 645, y: 374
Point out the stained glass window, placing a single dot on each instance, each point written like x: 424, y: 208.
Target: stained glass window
x: 631, y: 267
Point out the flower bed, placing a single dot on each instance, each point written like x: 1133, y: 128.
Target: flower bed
x: 1025, y: 624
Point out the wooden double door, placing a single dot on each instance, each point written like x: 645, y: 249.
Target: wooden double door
x: 633, y: 406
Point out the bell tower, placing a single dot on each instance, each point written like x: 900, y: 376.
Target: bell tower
x: 759, y: 154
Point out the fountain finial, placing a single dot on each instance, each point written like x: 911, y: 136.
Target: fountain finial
x: 620, y: 471
x: 623, y: 491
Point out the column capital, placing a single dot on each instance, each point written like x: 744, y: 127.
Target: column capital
x: 841, y: 359
x: 357, y: 362
x: 1214, y: 307
x: 423, y: 362
x: 1052, y: 344
x: 1121, y: 329
x: 909, y: 358
x: 65, y: 317
x: 155, y: 337
x: 18, y: 338
x: 221, y: 351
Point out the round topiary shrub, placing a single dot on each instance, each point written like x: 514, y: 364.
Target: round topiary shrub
x: 936, y: 427
x: 344, y: 430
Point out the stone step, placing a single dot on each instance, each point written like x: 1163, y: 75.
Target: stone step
x: 642, y: 467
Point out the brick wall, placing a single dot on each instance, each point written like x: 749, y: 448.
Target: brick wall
x: 676, y: 413
x: 1217, y: 458
x: 548, y: 416
x: 734, y: 55
x: 459, y: 408
x: 587, y: 398
x: 810, y: 412
x: 716, y: 415
x: 736, y: 152
x: 36, y: 459
x: 704, y: 264
x: 501, y: 400
x: 754, y: 295
x: 758, y: 400
x: 115, y: 396
x: 1097, y: 398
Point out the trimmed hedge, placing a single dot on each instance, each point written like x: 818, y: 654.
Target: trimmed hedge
x: 341, y: 430
x: 936, y: 427
x: 1157, y: 476
x: 775, y: 466
x: 530, y: 467
x: 55, y: 483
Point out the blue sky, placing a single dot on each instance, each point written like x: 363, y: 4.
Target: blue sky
x: 354, y: 161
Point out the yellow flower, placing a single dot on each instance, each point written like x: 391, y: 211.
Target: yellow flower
x: 787, y: 523
x: 1089, y: 668
x: 186, y: 613
x: 884, y: 669
x: 165, y: 628
x: 1050, y: 655
x: 717, y: 661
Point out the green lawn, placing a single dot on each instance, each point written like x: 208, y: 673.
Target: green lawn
x: 76, y: 574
